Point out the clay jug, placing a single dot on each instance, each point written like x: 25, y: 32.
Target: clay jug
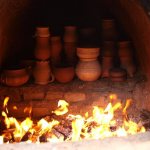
x: 56, y: 47
x: 14, y: 77
x: 88, y: 70
x: 42, y: 73
x: 42, y: 48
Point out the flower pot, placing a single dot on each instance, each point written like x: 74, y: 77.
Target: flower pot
x: 64, y: 74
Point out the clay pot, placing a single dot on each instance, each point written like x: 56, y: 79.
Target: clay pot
x: 109, y: 32
x: 88, y: 70
x: 70, y: 52
x: 16, y: 77
x: 70, y: 35
x: 118, y: 75
x: 88, y: 54
x: 124, y: 49
x: 56, y: 47
x: 107, y: 64
x: 42, y: 48
x: 42, y: 73
x: 42, y: 32
x: 64, y: 74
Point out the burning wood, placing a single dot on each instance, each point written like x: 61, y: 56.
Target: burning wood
x: 71, y: 128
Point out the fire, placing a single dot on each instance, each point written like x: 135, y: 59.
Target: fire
x: 100, y: 124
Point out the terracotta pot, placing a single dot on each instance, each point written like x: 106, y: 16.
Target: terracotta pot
x: 107, y: 64
x: 70, y: 34
x: 118, y: 74
x: 70, y: 52
x: 42, y: 73
x: 124, y: 49
x: 42, y: 32
x: 42, y: 50
x: 88, y: 54
x: 88, y: 70
x: 15, y: 77
x: 64, y: 74
x: 56, y: 47
x: 109, y: 30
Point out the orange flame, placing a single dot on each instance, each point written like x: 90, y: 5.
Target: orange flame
x: 97, y: 126
x: 63, y: 108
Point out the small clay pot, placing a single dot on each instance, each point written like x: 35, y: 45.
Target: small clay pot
x: 64, y: 74
x: 118, y: 74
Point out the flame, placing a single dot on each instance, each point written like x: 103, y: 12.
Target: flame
x: 63, y: 108
x: 1, y: 140
x: 102, y: 123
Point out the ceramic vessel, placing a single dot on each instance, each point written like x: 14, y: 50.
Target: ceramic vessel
x: 88, y: 70
x: 15, y: 77
x: 64, y: 74
x: 42, y: 48
x: 88, y: 54
x: 56, y: 47
x: 42, y: 73
x: 70, y: 35
x: 70, y: 52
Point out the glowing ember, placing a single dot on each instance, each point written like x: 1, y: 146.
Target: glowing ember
x: 100, y: 124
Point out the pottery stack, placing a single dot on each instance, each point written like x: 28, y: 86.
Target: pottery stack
x: 88, y: 67
x: 108, y: 39
x: 42, y: 71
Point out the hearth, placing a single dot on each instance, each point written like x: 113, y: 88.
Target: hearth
x: 101, y: 63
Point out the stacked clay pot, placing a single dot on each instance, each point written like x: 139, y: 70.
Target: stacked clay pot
x: 42, y: 70
x: 126, y: 57
x: 88, y: 67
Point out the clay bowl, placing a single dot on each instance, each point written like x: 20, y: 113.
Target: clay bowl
x: 15, y: 77
x: 64, y: 74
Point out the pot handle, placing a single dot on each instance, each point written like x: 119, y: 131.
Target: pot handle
x: 52, y: 78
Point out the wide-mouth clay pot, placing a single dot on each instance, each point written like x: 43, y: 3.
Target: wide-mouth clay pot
x: 88, y: 53
x: 14, y: 77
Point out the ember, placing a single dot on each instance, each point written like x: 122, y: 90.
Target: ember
x: 100, y: 124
